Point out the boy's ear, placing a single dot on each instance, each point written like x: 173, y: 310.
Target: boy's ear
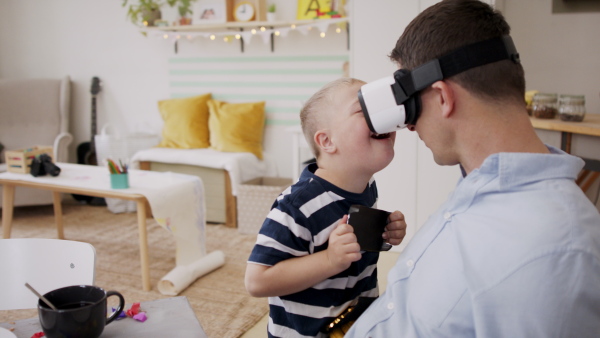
x: 324, y: 142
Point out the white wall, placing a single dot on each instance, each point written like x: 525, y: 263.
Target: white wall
x: 85, y: 39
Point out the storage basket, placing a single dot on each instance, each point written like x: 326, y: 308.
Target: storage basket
x: 255, y: 198
x: 19, y: 161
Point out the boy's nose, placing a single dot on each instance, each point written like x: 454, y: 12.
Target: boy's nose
x: 410, y: 127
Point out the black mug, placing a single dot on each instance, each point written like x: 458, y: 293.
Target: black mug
x: 81, y: 311
x: 369, y: 225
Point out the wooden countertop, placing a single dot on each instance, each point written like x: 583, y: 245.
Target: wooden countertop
x: 589, y: 126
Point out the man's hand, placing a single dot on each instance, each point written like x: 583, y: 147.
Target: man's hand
x: 396, y: 228
x: 343, y: 248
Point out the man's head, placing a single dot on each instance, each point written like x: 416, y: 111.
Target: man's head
x: 466, y: 117
x: 334, y: 126
x: 451, y: 24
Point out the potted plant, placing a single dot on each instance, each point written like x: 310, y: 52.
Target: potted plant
x: 271, y: 13
x: 144, y: 12
x: 184, y: 8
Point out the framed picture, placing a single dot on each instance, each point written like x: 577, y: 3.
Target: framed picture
x: 210, y: 11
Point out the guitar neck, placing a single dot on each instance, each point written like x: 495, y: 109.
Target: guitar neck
x: 93, y: 118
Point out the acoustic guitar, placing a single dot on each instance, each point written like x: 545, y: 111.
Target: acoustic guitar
x: 86, y: 151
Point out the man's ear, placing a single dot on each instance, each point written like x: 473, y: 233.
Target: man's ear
x: 446, y: 97
x: 324, y: 142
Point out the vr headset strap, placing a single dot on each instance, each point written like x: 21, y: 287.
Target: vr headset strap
x: 478, y: 54
x: 458, y: 61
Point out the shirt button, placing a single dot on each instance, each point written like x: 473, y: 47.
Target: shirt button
x: 447, y: 216
x: 410, y: 263
x: 390, y: 306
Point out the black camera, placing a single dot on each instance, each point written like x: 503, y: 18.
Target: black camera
x: 42, y: 165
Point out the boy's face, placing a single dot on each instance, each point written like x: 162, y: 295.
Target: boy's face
x: 360, y: 148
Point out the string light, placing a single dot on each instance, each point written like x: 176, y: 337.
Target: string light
x: 264, y: 31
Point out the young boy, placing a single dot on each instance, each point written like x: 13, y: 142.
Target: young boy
x: 306, y: 258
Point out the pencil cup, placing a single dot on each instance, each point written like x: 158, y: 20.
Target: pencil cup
x: 119, y: 181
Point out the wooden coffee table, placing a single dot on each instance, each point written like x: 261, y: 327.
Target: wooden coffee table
x: 82, y: 180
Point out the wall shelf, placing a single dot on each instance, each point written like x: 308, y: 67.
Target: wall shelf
x: 239, y: 30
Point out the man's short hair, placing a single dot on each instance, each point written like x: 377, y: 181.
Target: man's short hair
x: 451, y: 24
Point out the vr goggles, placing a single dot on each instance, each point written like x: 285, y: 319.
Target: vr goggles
x: 393, y: 102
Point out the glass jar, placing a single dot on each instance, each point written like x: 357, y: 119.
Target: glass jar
x: 544, y: 106
x: 571, y: 107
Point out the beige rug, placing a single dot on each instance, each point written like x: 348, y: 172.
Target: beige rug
x: 219, y: 299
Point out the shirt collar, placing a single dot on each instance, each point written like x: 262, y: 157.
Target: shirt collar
x: 514, y: 169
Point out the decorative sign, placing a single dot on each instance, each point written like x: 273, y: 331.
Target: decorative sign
x: 320, y: 9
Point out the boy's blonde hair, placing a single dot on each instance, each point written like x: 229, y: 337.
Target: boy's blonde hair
x: 316, y: 110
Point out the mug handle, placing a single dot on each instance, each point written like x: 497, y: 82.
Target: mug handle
x: 119, y: 309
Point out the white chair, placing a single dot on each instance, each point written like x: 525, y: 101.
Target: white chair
x: 46, y: 264
x: 35, y: 112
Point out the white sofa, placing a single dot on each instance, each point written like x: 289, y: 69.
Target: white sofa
x: 221, y: 174
x: 34, y: 112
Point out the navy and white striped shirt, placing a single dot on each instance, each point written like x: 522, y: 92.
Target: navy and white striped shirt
x: 299, y: 224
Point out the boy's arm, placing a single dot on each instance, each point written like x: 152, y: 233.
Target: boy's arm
x: 395, y: 230
x: 297, y: 274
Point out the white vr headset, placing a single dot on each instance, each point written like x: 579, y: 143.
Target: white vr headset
x: 393, y: 102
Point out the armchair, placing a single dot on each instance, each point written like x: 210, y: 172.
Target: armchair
x: 34, y: 112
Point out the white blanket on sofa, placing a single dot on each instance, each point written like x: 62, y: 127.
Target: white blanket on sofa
x: 240, y: 166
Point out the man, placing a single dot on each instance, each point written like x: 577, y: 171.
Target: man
x: 515, y: 250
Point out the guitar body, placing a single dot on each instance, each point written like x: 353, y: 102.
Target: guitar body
x: 85, y: 155
x: 86, y: 151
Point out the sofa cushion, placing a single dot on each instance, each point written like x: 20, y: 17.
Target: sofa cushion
x: 237, y: 127
x: 185, y: 122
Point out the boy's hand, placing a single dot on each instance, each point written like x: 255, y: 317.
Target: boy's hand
x: 395, y: 230
x: 343, y: 249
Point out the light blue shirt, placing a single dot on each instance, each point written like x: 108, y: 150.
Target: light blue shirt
x: 514, y: 252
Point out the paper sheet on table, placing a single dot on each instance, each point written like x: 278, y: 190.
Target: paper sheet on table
x: 181, y: 210
x: 182, y: 276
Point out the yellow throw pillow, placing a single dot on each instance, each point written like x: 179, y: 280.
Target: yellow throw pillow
x: 236, y: 127
x: 186, y: 122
